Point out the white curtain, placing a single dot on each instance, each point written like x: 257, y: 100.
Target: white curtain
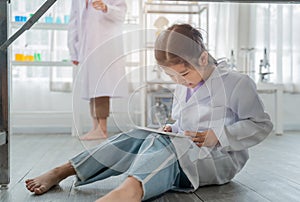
x: 274, y: 27
x: 277, y: 29
x: 223, y: 29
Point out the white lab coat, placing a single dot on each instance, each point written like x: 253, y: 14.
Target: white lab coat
x: 229, y: 104
x: 95, y: 40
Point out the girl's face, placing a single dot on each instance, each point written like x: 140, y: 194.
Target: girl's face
x: 181, y: 74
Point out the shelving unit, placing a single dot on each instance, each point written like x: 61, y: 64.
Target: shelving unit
x: 40, y: 84
x: 52, y: 55
x: 41, y: 26
x: 42, y: 63
x: 159, y: 15
x: 38, y: 53
x: 46, y: 100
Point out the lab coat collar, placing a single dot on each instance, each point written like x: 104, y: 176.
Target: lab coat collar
x: 220, y: 70
x: 208, y: 88
x: 216, y: 76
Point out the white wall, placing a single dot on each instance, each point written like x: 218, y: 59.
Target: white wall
x: 35, y: 109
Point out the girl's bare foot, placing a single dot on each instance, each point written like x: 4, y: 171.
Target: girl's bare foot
x: 43, y: 183
x: 129, y: 191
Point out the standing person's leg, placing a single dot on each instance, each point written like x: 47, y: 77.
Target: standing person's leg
x: 94, y: 120
x: 110, y: 158
x: 154, y: 171
x: 102, y: 113
x: 99, y: 108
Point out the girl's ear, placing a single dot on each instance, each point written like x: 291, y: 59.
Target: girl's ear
x: 203, y: 59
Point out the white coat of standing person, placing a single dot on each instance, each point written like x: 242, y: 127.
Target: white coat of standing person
x: 95, y: 44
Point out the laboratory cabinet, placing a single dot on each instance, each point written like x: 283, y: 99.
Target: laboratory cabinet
x: 41, y: 72
x: 41, y: 52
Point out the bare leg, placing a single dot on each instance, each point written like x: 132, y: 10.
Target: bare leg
x: 99, y: 133
x: 46, y: 181
x: 95, y: 125
x: 103, y: 127
x: 129, y: 191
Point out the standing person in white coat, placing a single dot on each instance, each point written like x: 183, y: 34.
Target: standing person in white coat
x: 218, y: 114
x: 94, y: 37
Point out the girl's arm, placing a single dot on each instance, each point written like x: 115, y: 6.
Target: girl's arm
x: 253, y: 124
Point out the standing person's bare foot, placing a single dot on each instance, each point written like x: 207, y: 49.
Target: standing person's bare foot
x: 129, y: 191
x: 99, y: 131
x: 94, y: 135
x: 95, y: 126
x: 44, y: 182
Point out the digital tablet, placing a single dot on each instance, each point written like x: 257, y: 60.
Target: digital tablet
x: 160, y: 132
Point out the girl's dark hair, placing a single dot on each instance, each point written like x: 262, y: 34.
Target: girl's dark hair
x: 180, y: 44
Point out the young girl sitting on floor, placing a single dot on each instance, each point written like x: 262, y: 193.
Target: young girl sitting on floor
x: 218, y: 111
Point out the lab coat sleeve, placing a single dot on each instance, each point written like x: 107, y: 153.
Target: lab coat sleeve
x: 116, y: 10
x: 175, y: 111
x: 253, y: 124
x: 174, y: 127
x: 73, y: 41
